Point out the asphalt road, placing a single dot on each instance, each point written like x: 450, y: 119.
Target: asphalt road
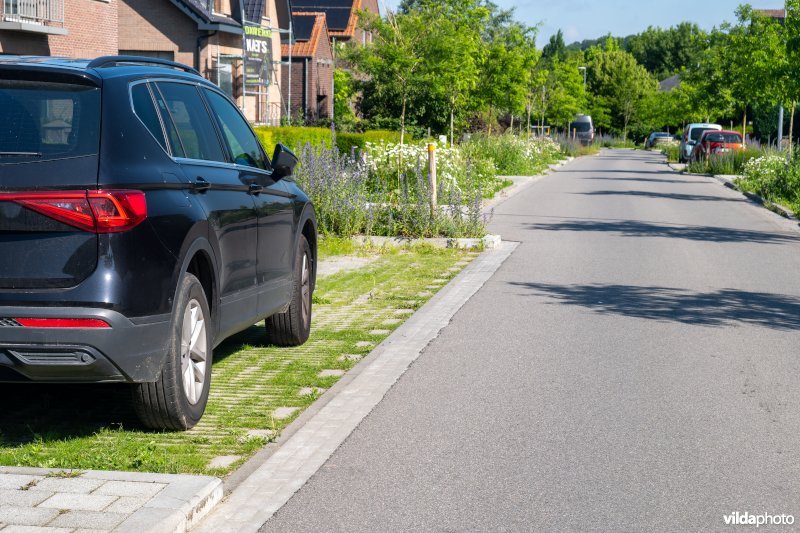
x: 634, y: 365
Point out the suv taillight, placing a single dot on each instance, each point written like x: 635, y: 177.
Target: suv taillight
x: 96, y: 211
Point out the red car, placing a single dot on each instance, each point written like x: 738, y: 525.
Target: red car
x: 716, y: 143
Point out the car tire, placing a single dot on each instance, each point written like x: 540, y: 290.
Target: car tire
x: 177, y: 399
x: 292, y: 327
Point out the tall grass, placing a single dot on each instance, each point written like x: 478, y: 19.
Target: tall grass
x: 673, y: 152
x: 724, y: 164
x: 512, y: 155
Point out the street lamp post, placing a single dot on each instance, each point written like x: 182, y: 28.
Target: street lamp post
x: 584, y: 77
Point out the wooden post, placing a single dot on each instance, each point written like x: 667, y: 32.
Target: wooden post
x: 432, y: 176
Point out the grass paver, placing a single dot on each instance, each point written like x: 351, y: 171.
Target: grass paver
x: 93, y: 426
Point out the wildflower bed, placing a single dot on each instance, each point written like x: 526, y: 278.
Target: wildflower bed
x: 384, y: 189
x: 773, y: 178
x: 256, y: 389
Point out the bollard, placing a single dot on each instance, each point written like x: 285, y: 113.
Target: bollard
x: 432, y: 176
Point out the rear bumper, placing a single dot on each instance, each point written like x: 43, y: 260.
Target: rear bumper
x: 128, y: 351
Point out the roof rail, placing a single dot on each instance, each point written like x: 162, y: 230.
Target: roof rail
x: 108, y: 61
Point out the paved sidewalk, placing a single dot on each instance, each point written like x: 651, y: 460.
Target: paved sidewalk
x: 47, y: 500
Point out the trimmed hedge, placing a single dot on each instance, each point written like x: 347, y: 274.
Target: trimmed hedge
x: 295, y: 137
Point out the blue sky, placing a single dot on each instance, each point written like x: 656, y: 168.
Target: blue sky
x: 590, y: 19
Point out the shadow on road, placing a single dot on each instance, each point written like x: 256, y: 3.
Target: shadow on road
x: 615, y: 171
x: 633, y: 228
x: 664, y: 196
x: 648, y: 180
x: 724, y: 307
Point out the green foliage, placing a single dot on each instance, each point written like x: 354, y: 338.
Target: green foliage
x: 673, y: 152
x: 772, y: 178
x: 511, y: 155
x: 555, y: 49
x: 664, y: 52
x: 344, y: 92
x: 621, y: 82
x: 296, y: 137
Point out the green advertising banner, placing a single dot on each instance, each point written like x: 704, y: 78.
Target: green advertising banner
x: 257, y: 56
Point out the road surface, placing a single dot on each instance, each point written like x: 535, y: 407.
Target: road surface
x: 634, y: 365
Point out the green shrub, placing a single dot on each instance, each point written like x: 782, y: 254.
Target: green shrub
x: 347, y: 141
x: 294, y: 137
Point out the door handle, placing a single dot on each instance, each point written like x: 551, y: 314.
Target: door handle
x: 255, y: 188
x: 201, y: 185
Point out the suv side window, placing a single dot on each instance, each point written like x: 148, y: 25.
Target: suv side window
x: 194, y: 128
x: 146, y: 111
x: 244, y: 146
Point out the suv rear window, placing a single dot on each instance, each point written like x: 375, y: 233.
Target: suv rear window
x: 45, y: 121
x: 696, y: 133
x: 728, y: 138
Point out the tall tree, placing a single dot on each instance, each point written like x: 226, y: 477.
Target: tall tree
x: 555, y: 49
x: 621, y: 81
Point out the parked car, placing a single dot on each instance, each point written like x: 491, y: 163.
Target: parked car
x: 714, y: 142
x: 141, y: 223
x: 582, y: 129
x: 658, y: 137
x: 691, y: 135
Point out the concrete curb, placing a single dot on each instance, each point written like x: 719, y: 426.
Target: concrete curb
x: 165, y: 503
x: 286, y: 469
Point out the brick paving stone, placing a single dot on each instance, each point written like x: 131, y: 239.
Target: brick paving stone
x: 127, y: 504
x: 89, y: 520
x: 223, y: 461
x: 283, y: 412
x: 330, y: 372
x: 38, y: 529
x: 17, y: 481
x: 23, y: 498
x: 79, y: 485
x: 130, y: 488
x: 26, y: 516
x: 78, y: 502
x: 261, y: 433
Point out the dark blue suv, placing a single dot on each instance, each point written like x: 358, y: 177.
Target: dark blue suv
x: 141, y: 223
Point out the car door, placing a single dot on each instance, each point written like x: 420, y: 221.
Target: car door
x: 274, y: 205
x: 218, y: 186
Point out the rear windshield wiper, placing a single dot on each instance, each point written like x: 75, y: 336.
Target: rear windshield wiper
x: 20, y: 154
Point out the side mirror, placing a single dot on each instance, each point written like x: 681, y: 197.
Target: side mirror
x: 283, y: 162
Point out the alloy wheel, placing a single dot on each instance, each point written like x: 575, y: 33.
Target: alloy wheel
x: 194, y: 351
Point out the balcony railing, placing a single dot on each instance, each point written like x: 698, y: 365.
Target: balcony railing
x: 43, y: 12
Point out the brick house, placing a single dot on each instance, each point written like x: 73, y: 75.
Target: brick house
x: 341, y: 17
x: 310, y: 83
x: 210, y: 35
x: 73, y: 28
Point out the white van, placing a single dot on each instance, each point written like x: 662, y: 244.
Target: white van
x: 691, y: 135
